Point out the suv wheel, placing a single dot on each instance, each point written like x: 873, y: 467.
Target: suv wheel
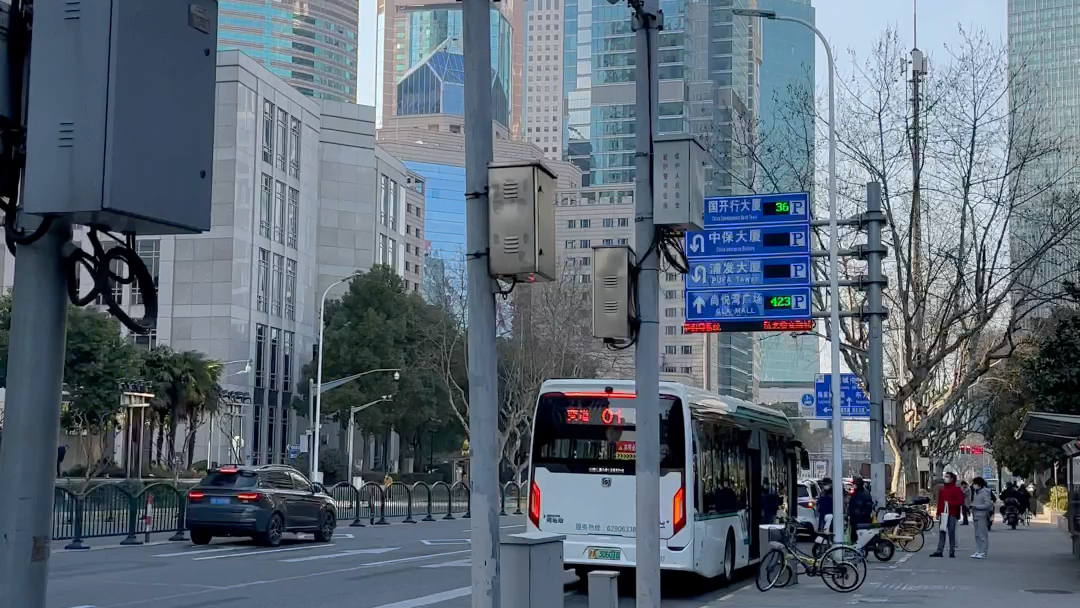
x: 271, y: 537
x: 201, y: 537
x: 327, y: 523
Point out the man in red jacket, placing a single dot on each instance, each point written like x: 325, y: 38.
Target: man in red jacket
x: 950, y: 502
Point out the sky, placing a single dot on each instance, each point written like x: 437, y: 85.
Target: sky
x: 848, y: 24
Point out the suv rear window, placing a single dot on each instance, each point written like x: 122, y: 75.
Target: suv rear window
x: 804, y: 492
x: 240, y: 479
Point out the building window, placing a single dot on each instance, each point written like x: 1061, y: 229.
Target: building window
x: 570, y: 223
x: 275, y: 345
x: 268, y: 132
x: 671, y: 312
x: 609, y: 241
x: 282, y: 137
x: 585, y: 223
x: 292, y: 218
x: 279, y: 212
x: 669, y: 294
x: 669, y: 349
x: 570, y: 244
x: 585, y: 261
x: 689, y: 371
x: 671, y: 276
x: 116, y: 288
x: 395, y: 190
x: 670, y: 330
x: 624, y: 241
x: 687, y: 349
x: 275, y: 285
x: 145, y: 341
x: 294, y: 149
x: 286, y: 362
x: 260, y: 355
x: 609, y: 222
x: 149, y: 251
x: 624, y: 222
x: 384, y: 199
x: 262, y: 303
x: 290, y: 290
x: 585, y: 244
x: 266, y: 206
x: 669, y: 369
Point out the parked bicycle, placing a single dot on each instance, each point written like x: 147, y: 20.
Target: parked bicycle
x: 837, y: 567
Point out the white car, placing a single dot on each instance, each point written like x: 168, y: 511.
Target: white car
x: 806, y: 513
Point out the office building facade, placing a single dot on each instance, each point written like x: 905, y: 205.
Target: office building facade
x: 302, y: 197
x: 310, y: 44
x: 1044, y: 47
x: 420, y: 68
x: 543, y: 76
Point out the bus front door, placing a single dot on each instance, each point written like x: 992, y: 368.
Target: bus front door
x: 753, y: 501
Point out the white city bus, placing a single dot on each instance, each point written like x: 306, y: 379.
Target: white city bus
x: 715, y: 453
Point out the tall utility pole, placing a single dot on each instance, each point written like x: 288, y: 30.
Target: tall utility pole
x: 875, y: 373
x: 915, y: 247
x: 646, y: 21
x: 483, y: 399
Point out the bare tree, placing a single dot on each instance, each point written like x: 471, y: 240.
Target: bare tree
x: 980, y: 209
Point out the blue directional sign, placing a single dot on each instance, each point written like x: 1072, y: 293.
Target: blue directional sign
x: 758, y: 209
x: 854, y: 402
x: 749, y: 240
x: 749, y: 272
x: 748, y: 304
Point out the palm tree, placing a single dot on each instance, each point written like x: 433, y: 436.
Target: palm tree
x: 187, y: 391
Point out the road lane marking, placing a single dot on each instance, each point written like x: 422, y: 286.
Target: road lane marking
x: 461, y: 563
x: 501, y: 527
x: 197, y: 551
x: 434, y: 598
x: 286, y: 579
x: 447, y: 541
x: 262, y: 551
x: 341, y: 554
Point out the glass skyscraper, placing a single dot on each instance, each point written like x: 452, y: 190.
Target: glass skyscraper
x: 1044, y: 46
x: 787, y: 69
x: 311, y: 44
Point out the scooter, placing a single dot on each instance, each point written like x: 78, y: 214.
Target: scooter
x: 868, y: 539
x: 1012, y: 513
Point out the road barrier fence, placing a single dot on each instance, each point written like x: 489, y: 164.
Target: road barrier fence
x: 124, y: 509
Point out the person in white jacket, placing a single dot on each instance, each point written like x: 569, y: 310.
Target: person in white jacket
x: 982, y: 509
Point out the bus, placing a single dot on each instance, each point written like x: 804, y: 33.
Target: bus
x: 716, y: 454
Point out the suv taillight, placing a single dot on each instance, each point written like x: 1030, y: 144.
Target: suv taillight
x: 534, y: 503
x: 195, y: 495
x: 678, y: 511
x: 248, y: 496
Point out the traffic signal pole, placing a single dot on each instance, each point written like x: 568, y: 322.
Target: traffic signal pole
x: 875, y: 252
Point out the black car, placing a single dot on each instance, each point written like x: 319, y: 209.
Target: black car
x: 262, y: 502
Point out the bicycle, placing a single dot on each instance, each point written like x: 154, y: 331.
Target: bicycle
x: 785, y: 559
x: 908, y: 535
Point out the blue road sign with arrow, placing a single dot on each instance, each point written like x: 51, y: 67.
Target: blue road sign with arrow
x: 748, y: 304
x: 854, y: 401
x: 749, y: 272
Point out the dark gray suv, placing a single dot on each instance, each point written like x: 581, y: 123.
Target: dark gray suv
x: 262, y: 502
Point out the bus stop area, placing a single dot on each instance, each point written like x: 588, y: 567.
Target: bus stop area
x: 1030, y: 566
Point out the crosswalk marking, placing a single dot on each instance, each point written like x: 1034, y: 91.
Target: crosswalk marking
x: 461, y: 563
x: 261, y: 551
x: 309, y: 558
x: 434, y: 598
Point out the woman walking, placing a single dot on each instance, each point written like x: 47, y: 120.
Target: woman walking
x: 982, y: 509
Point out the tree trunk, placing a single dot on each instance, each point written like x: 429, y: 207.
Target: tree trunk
x: 160, y: 440
x: 909, y: 459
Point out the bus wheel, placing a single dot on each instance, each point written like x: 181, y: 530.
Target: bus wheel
x: 729, y: 558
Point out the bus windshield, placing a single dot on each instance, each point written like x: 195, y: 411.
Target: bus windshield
x: 595, y: 434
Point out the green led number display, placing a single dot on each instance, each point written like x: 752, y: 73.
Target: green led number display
x: 775, y: 302
x: 783, y: 207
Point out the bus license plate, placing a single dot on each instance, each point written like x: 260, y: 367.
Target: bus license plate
x: 605, y: 554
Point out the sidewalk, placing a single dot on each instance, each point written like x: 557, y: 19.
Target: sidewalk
x: 1030, y: 567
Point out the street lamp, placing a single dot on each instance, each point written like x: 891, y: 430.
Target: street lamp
x: 834, y: 265
x: 210, y: 438
x: 352, y: 413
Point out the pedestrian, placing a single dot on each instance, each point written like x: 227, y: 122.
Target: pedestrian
x: 824, y: 503
x: 982, y: 510
x: 860, y: 508
x: 770, y: 502
x: 965, y: 511
x: 60, y: 453
x: 950, y: 503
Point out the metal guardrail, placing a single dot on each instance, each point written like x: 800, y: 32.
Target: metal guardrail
x: 110, y: 509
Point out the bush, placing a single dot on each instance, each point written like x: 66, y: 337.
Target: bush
x: 1059, y: 499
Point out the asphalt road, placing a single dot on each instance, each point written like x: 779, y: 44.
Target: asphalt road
x: 427, y: 564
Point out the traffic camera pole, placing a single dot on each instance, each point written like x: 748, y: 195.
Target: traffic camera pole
x: 875, y: 373
x: 35, y: 375
x: 484, y: 490
x: 646, y: 20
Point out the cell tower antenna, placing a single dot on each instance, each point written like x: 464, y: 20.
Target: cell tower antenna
x: 915, y: 23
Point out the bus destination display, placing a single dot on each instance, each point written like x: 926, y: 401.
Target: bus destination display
x: 608, y: 416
